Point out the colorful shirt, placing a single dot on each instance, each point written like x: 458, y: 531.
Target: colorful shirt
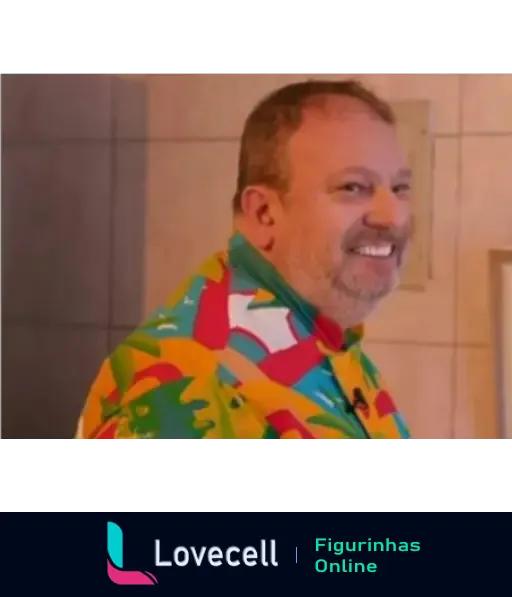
x: 237, y: 354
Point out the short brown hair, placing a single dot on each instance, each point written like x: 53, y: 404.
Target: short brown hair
x: 276, y: 117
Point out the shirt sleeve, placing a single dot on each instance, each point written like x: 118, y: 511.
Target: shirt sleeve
x: 146, y: 389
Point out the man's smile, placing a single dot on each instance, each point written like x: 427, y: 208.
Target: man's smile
x: 378, y: 251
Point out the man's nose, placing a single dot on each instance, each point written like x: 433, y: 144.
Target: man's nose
x: 386, y: 209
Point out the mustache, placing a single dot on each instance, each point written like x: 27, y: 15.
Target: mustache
x: 363, y: 233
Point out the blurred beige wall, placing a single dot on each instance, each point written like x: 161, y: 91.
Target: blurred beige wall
x: 113, y: 188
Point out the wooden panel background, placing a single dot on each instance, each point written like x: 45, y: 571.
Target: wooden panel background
x: 414, y: 130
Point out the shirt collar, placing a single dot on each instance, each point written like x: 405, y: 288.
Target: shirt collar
x: 272, y: 291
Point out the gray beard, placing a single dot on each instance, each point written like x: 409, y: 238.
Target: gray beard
x: 333, y: 294
x: 335, y: 300
x: 347, y: 310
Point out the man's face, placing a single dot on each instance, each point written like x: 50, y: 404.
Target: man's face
x: 346, y: 219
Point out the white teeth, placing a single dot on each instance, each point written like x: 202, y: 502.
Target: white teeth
x: 370, y: 251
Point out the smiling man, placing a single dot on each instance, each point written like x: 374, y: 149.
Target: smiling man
x: 264, y: 341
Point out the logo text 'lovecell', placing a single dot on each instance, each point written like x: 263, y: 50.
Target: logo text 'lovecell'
x: 263, y: 555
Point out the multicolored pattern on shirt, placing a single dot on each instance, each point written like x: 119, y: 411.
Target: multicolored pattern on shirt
x: 237, y: 354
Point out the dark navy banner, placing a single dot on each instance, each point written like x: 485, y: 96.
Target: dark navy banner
x: 255, y: 554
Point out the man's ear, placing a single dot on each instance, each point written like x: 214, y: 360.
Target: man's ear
x: 256, y: 204
x: 259, y: 209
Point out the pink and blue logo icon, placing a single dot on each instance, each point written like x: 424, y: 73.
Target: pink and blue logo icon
x: 116, y: 571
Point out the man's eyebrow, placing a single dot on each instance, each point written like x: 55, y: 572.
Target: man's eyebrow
x: 363, y: 171
x: 335, y: 176
x: 359, y: 170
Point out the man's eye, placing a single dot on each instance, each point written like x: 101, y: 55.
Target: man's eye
x: 353, y: 188
x: 402, y: 189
